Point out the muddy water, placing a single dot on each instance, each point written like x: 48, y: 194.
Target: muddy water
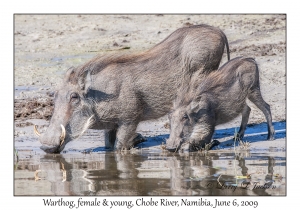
x: 148, y: 174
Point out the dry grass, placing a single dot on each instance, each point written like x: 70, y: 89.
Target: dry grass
x: 244, y: 145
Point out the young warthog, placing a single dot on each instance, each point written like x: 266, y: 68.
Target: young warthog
x: 115, y: 93
x: 219, y: 98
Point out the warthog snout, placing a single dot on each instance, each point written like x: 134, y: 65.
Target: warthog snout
x: 54, y: 148
x: 50, y: 150
x: 171, y: 148
x: 176, y: 145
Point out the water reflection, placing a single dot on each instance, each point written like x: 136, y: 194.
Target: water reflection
x: 151, y: 174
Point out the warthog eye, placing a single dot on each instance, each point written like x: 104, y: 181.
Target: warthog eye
x: 185, y: 117
x: 74, y: 97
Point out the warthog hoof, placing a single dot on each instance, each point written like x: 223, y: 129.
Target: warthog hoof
x: 213, y: 144
x: 138, y: 139
x: 206, y: 147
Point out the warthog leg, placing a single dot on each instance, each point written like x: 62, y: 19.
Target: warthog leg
x: 257, y: 99
x: 110, y: 138
x: 245, y: 117
x: 125, y: 136
x: 138, y: 139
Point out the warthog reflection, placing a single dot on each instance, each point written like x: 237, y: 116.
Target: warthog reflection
x: 152, y: 174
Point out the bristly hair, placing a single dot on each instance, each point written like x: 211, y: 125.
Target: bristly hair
x: 197, y: 87
x: 100, y: 62
x: 217, y: 78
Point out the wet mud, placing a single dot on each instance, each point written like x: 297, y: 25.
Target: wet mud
x: 33, y: 108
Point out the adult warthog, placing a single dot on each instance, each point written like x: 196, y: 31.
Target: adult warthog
x: 219, y: 98
x: 117, y: 92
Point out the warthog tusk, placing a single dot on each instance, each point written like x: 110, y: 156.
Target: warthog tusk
x: 64, y: 172
x: 36, y: 131
x: 36, y: 177
x: 63, y: 134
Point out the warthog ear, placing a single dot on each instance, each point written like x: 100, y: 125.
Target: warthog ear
x: 194, y: 106
x: 84, y: 81
x: 70, y: 75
